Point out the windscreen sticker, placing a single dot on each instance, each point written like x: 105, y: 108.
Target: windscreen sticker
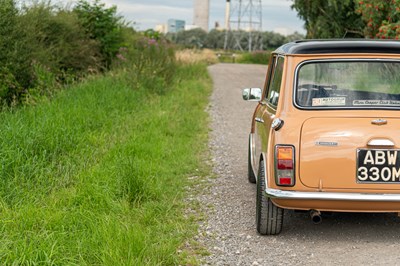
x: 376, y: 102
x: 329, y: 101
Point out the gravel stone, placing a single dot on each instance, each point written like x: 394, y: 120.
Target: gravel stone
x: 229, y: 231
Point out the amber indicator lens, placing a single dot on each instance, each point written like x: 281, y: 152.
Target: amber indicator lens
x: 285, y: 153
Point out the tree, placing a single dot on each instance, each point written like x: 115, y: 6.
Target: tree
x: 215, y: 39
x: 103, y: 25
x: 382, y: 18
x: 330, y: 18
x: 194, y: 38
x: 272, y: 40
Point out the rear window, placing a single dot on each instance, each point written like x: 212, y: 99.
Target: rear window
x: 348, y: 84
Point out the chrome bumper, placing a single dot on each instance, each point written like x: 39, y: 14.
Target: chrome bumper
x: 297, y: 195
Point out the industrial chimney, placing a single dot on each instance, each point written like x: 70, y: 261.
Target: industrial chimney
x: 201, y: 13
x: 227, y: 14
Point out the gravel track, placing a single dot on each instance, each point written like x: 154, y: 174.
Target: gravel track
x: 229, y: 231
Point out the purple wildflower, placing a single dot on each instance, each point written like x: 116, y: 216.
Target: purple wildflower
x: 152, y: 42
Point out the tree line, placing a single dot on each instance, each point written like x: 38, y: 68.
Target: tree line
x: 217, y: 39
x: 323, y: 19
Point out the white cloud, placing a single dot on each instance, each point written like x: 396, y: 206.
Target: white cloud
x: 147, y: 16
x: 277, y: 3
x: 148, y: 13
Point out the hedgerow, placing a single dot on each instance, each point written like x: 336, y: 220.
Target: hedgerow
x: 44, y: 46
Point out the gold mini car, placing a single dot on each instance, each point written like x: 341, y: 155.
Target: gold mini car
x: 325, y: 135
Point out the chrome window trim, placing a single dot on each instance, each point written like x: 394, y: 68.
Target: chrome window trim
x: 265, y: 100
x: 294, y: 100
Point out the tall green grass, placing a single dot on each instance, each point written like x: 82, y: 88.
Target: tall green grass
x: 256, y: 57
x: 97, y: 176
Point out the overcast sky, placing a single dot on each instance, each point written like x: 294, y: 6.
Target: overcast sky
x: 276, y: 14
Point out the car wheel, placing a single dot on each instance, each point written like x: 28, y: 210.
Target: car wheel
x: 250, y: 173
x: 269, y: 217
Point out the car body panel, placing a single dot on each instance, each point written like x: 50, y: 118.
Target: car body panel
x: 324, y: 166
x: 331, y: 144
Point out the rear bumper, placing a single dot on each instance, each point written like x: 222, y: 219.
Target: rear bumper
x: 330, y: 196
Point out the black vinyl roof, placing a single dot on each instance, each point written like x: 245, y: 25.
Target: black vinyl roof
x: 340, y: 46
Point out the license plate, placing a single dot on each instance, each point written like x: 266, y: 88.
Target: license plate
x: 378, y: 166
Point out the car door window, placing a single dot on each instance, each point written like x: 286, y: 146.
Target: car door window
x: 275, y: 82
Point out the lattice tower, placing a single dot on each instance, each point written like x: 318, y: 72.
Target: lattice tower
x: 243, y: 25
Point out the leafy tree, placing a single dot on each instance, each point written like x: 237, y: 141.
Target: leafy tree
x: 330, y: 18
x: 103, y: 25
x: 194, y: 38
x: 215, y: 39
x: 272, y: 40
x: 382, y: 18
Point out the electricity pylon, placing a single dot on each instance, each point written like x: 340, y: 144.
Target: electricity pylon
x: 243, y: 25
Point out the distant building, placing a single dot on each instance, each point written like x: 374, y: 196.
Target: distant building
x: 175, y: 25
x: 161, y: 28
x: 201, y: 13
x: 191, y: 27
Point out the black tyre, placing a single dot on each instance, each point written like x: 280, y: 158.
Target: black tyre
x: 269, y: 218
x: 250, y: 173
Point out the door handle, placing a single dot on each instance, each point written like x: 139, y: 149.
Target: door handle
x: 381, y: 142
x: 259, y: 120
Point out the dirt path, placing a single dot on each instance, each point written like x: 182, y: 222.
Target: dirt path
x: 230, y: 234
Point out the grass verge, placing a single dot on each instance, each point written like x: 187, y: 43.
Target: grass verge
x: 97, y: 176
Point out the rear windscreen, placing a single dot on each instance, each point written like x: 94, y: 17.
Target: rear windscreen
x: 348, y: 84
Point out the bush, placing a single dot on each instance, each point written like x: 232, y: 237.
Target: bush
x: 58, y: 42
x: 43, y: 46
x: 15, y: 60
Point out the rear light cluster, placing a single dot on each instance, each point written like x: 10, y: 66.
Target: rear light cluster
x: 284, y: 165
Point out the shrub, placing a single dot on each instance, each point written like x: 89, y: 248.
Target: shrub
x: 39, y: 41
x: 58, y: 42
x: 15, y: 60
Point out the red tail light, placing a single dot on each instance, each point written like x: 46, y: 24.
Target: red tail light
x: 284, y: 165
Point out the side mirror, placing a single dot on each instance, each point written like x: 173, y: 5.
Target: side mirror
x: 252, y: 94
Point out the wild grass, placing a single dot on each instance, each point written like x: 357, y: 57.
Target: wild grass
x: 97, y: 176
x: 191, y: 56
